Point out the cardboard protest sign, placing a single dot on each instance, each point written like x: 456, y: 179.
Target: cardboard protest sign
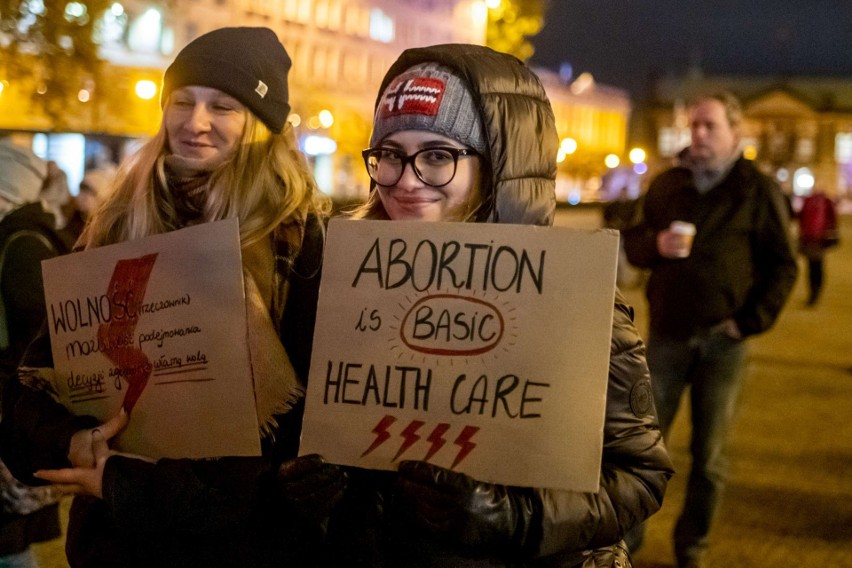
x: 481, y: 348
x: 157, y: 325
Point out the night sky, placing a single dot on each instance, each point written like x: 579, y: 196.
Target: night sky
x: 622, y: 41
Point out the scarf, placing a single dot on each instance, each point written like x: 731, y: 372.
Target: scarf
x: 276, y: 386
x: 189, y: 182
x: 706, y: 178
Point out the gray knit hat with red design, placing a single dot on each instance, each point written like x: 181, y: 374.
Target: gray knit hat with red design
x: 250, y: 64
x: 430, y: 97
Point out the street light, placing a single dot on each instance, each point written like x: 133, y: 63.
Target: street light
x: 145, y: 89
x: 612, y: 161
x: 637, y: 155
x: 568, y: 145
x: 326, y: 119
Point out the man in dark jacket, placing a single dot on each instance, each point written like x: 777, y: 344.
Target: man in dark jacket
x: 708, y: 291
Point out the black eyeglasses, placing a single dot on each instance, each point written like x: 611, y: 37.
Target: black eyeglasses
x: 435, y: 167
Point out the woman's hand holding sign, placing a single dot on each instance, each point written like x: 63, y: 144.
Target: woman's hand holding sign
x: 88, y: 452
x: 483, y: 517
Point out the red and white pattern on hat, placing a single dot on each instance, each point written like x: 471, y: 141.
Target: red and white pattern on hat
x: 420, y: 95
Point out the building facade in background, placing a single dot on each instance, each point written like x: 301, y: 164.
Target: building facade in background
x: 797, y: 129
x: 340, y: 51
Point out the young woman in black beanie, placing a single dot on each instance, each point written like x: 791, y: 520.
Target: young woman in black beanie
x: 463, y: 133
x: 224, y: 150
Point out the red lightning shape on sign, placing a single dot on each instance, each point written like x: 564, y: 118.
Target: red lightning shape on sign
x: 410, y: 437
x: 463, y: 442
x: 437, y: 439
x: 381, y: 432
x: 125, y: 293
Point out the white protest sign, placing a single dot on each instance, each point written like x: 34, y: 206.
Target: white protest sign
x: 481, y: 348
x: 157, y: 325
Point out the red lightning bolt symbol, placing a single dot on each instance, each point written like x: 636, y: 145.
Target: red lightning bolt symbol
x: 381, y: 432
x: 463, y: 442
x: 410, y: 436
x: 437, y: 439
x: 125, y: 293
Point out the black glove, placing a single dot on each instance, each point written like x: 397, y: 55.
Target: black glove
x: 482, y: 517
x: 311, y: 486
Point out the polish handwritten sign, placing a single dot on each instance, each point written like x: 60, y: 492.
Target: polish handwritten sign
x: 157, y: 325
x: 477, y: 347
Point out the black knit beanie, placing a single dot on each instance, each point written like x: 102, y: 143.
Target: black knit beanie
x: 250, y: 64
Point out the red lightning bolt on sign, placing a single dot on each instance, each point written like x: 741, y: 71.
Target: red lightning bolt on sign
x: 381, y: 432
x: 125, y: 293
x: 410, y: 437
x: 463, y: 442
x: 437, y: 439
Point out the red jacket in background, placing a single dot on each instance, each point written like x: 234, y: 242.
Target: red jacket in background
x: 817, y: 218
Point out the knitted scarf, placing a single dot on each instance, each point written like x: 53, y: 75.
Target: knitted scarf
x: 276, y: 386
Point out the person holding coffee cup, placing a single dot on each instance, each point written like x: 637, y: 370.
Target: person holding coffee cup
x: 715, y: 238
x: 676, y: 241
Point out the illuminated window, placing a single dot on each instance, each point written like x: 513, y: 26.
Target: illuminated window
x: 110, y: 28
x: 321, y: 14
x: 167, y: 41
x: 303, y: 14
x: 671, y: 140
x: 381, y: 26
x: 352, y: 21
x: 843, y: 148
x: 291, y: 9
x: 145, y: 32
x: 335, y: 15
x: 805, y: 149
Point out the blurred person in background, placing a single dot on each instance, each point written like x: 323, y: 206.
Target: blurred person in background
x: 818, y: 231
x: 480, y: 147
x: 710, y: 289
x: 32, y: 192
x: 94, y: 189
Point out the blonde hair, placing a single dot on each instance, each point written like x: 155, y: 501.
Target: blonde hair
x: 265, y: 183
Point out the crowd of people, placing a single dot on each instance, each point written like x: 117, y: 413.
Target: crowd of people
x: 478, y: 146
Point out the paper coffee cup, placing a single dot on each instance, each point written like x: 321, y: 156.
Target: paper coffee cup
x: 687, y: 233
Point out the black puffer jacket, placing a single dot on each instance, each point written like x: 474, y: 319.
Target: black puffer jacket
x: 522, y: 138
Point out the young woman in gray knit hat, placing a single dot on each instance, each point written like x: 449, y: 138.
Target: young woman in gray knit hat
x: 224, y: 150
x: 463, y: 133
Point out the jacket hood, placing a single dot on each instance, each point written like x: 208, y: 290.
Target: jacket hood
x: 520, y: 129
x: 22, y: 174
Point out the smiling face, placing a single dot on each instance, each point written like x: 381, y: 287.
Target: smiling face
x: 204, y: 123
x: 412, y: 199
x: 714, y: 139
